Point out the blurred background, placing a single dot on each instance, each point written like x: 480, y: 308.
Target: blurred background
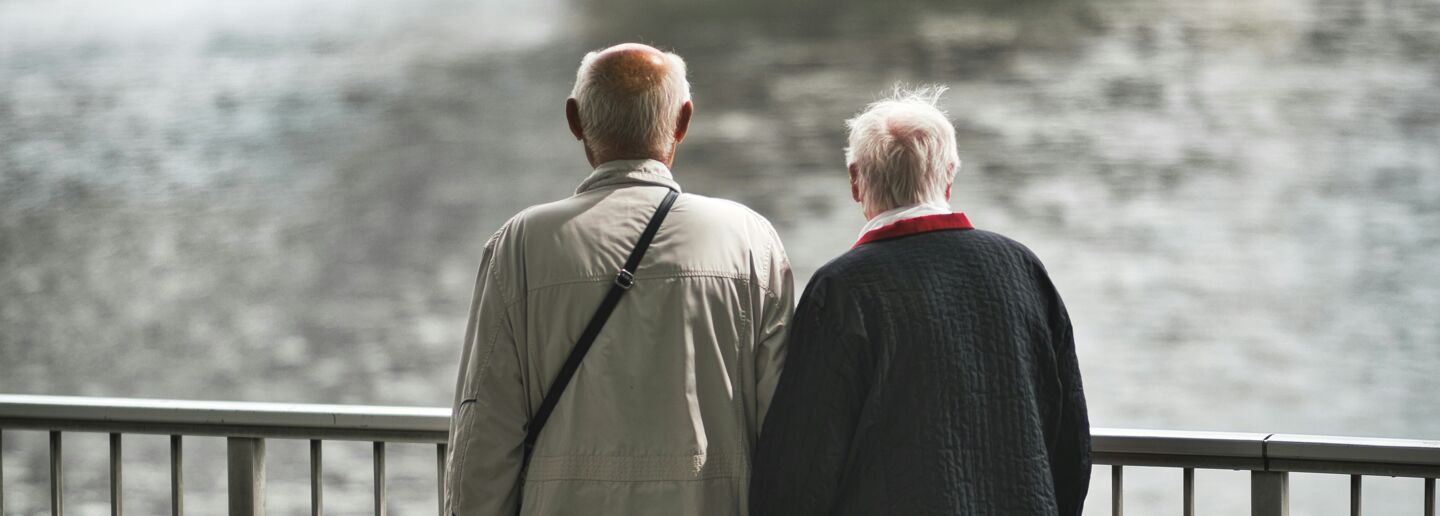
x: 285, y: 200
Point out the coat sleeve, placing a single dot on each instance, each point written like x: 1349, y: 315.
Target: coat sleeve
x: 487, y: 429
x: 803, y: 448
x: 777, y: 309
x: 1070, y: 454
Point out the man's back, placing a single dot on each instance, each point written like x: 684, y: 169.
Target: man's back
x: 663, y: 413
x: 929, y: 374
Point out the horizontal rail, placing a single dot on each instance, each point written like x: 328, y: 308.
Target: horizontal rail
x: 246, y: 427
x: 1267, y: 452
x: 1353, y: 455
x: 1170, y: 448
x: 1175, y: 448
x: 225, y: 418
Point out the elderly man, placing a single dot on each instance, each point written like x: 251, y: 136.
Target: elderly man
x: 931, y: 368
x: 624, y: 342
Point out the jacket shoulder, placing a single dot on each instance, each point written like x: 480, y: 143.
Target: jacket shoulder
x: 730, y: 210
x: 730, y: 221
x: 998, y: 240
x: 509, y: 231
x: 727, y: 217
x: 1013, y: 247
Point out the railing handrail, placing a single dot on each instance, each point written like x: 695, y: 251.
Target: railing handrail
x: 225, y: 418
x: 1173, y: 448
x: 1267, y: 452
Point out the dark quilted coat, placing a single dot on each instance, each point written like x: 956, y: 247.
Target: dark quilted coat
x: 933, y: 373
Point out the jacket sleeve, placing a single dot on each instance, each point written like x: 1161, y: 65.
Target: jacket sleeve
x: 487, y: 427
x: 1070, y: 455
x: 777, y: 309
x: 803, y: 447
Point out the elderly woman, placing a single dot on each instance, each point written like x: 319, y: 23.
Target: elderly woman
x: 931, y: 368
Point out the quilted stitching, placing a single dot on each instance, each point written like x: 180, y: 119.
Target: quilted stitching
x: 925, y: 376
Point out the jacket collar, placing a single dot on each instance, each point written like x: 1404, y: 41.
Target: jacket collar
x: 916, y: 225
x: 628, y: 172
x: 892, y: 216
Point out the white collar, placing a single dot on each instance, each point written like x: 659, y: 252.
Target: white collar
x: 892, y: 216
x: 628, y: 172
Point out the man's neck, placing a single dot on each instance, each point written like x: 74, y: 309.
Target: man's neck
x: 596, y: 160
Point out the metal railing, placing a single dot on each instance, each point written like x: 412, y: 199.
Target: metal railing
x: 1269, y: 457
x: 245, y: 426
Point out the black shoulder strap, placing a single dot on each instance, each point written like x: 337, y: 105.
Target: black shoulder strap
x: 623, y: 281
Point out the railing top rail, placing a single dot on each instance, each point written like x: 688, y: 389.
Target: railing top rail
x: 1267, y: 452
x: 1237, y: 450
x: 1353, y: 449
x: 225, y: 417
x: 225, y: 412
x: 1266, y: 446
x: 1178, y: 442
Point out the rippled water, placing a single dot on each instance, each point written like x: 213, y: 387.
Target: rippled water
x: 284, y: 201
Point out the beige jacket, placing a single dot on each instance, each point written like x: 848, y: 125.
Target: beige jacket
x: 663, y: 414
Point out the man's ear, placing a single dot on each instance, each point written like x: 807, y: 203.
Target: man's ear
x: 572, y: 115
x: 682, y: 124
x: 854, y: 182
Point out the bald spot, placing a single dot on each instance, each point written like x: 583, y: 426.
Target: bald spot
x: 903, y: 125
x: 630, y: 68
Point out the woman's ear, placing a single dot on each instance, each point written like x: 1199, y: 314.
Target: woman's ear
x: 854, y: 182
x: 951, y: 172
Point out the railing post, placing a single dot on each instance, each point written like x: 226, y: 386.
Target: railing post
x: 2, y: 471
x: 177, y: 475
x: 380, y: 504
x: 440, y: 476
x: 247, y: 476
x: 317, y: 484
x: 1188, y: 496
x: 1269, y: 493
x: 57, y: 476
x: 1117, y: 490
x: 1355, y: 494
x: 117, y: 482
x: 1429, y: 497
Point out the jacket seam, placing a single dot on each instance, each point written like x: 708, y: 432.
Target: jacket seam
x: 669, y: 182
x: 461, y: 451
x: 482, y: 371
x: 747, y: 318
x: 607, y: 278
x: 717, y: 477
x: 637, y: 468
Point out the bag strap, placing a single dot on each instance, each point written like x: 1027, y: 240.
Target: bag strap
x: 623, y: 281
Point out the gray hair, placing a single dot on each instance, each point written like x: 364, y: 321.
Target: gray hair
x: 624, y: 122
x: 903, y: 148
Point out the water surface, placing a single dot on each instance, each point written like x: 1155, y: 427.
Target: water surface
x: 285, y: 201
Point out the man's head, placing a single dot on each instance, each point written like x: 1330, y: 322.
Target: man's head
x: 630, y: 101
x: 901, y: 151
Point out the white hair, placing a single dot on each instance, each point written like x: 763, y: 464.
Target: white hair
x: 903, y: 148
x: 624, y: 122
